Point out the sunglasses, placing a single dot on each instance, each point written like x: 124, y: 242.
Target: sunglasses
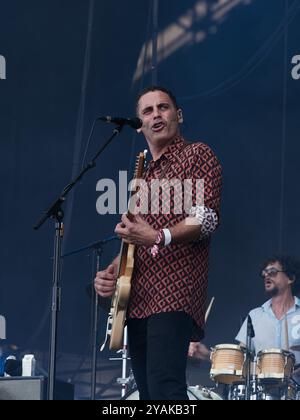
x: 271, y: 272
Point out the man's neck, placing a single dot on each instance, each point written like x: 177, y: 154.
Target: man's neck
x: 282, y: 303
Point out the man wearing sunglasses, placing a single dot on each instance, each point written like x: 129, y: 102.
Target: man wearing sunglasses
x: 276, y: 323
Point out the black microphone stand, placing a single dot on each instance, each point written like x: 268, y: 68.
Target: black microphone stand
x: 97, y: 248
x: 55, y: 212
x: 250, y: 335
x: 98, y: 253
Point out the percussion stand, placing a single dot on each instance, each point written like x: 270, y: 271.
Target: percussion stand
x: 250, y: 335
x: 124, y: 380
x: 97, y: 248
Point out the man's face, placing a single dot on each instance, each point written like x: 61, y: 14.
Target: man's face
x: 276, y: 281
x: 159, y: 116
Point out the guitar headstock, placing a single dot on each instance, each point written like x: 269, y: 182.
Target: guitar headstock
x: 140, y: 163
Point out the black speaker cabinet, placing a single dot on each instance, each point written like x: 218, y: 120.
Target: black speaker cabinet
x: 20, y: 388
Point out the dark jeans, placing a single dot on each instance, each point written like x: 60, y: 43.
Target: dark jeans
x: 158, y: 348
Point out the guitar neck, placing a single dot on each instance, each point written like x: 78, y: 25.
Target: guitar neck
x: 131, y: 209
x: 123, y: 258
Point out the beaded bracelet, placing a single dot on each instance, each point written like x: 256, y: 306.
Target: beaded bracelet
x: 159, y: 242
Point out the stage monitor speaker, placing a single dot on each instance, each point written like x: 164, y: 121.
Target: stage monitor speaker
x: 35, y: 388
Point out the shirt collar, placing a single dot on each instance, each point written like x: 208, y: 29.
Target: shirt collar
x: 267, y: 305
x: 175, y: 146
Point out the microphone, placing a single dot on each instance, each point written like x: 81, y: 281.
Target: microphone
x: 250, y: 329
x: 132, y: 122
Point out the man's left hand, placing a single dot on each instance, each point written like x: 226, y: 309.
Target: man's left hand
x: 137, y: 232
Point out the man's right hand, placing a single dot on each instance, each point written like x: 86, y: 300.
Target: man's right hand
x: 198, y: 350
x: 105, y: 281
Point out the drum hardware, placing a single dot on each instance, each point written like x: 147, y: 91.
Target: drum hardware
x: 197, y: 392
x: 255, y: 389
x: 200, y: 392
x: 127, y: 382
x: 287, y: 391
x: 271, y: 378
x: 250, y: 335
x: 97, y: 301
x: 237, y: 391
x: 293, y: 390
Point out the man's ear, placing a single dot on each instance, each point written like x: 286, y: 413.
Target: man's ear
x: 139, y: 130
x: 292, y: 279
x: 180, y: 115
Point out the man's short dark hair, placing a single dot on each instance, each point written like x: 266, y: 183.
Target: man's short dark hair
x: 291, y: 266
x: 155, y: 88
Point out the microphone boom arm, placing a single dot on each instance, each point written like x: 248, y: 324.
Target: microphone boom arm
x: 55, y: 210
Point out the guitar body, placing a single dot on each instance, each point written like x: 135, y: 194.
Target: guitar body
x: 120, y: 302
x: 117, y: 315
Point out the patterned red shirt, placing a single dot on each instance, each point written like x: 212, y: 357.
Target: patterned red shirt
x: 176, y: 279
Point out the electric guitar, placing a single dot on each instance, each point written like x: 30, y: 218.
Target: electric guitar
x: 120, y: 298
